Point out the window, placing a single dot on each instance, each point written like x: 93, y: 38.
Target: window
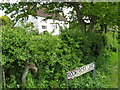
x: 44, y: 27
x: 54, y: 25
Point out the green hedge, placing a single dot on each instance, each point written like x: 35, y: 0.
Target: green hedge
x: 53, y: 56
x: 88, y: 46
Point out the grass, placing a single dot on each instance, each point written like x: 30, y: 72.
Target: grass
x: 112, y: 74
x: 112, y: 77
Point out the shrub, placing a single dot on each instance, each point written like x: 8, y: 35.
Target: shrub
x: 4, y: 20
x: 14, y: 50
x: 88, y: 46
x: 53, y: 56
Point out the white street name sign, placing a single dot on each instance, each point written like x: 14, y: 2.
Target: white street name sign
x: 81, y: 70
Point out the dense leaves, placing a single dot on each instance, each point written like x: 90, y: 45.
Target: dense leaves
x: 5, y: 20
x: 89, y: 46
x: 53, y: 56
x: 87, y: 14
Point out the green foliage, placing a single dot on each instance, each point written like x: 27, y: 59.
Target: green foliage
x: 89, y: 46
x: 53, y: 56
x: 27, y: 8
x: 98, y: 13
x: 12, y: 82
x: 15, y: 51
x: 15, y: 45
x: 50, y: 59
x: 30, y: 81
x: 112, y: 41
x: 87, y: 81
x: 105, y: 11
x: 5, y: 20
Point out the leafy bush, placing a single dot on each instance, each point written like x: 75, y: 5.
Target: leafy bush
x: 54, y: 59
x: 87, y: 81
x: 88, y: 46
x: 15, y: 50
x: 53, y: 56
x: 4, y: 20
x: 14, y: 46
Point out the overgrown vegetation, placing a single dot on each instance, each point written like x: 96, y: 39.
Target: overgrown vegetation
x: 53, y: 56
x: 33, y: 60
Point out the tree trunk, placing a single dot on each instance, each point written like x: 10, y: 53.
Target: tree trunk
x: 102, y: 28
x: 92, y: 27
x: 78, y: 14
x: 4, y: 83
x: 27, y: 67
x: 24, y: 74
x: 92, y: 22
x: 105, y: 28
x: 83, y: 26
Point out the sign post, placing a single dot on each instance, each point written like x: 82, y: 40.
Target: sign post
x: 66, y: 80
x: 79, y: 71
x: 94, y: 71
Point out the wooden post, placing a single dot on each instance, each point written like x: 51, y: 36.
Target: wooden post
x: 4, y: 84
x: 66, y: 80
x: 94, y: 71
x: 1, y: 78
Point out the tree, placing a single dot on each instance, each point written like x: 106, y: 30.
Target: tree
x: 4, y: 20
x: 101, y: 13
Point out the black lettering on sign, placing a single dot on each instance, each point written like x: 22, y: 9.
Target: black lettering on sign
x: 79, y: 71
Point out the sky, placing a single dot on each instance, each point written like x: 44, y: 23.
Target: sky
x: 10, y: 1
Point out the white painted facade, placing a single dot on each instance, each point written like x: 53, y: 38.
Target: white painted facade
x: 50, y: 25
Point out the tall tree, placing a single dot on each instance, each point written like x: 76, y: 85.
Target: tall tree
x: 100, y: 13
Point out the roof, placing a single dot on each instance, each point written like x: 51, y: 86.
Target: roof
x: 42, y: 14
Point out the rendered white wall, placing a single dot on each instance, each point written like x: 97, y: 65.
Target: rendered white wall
x: 49, y: 23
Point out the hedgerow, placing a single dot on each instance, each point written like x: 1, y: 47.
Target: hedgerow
x: 88, y: 46
x: 53, y: 56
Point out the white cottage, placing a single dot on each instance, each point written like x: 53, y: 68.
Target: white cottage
x: 51, y: 25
